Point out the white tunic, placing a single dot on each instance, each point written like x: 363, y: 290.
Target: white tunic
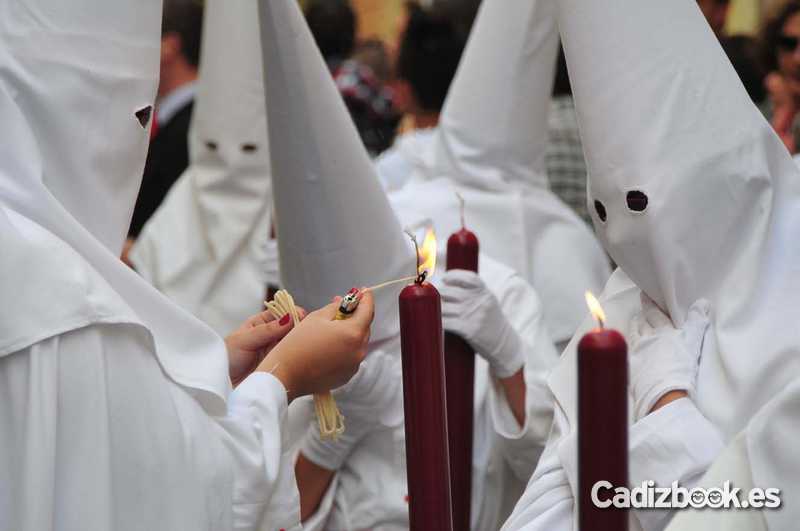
x: 94, y: 437
x: 674, y: 443
x: 396, y: 165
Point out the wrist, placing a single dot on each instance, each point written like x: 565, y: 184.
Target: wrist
x: 666, y: 398
x: 283, y: 373
x: 508, y: 357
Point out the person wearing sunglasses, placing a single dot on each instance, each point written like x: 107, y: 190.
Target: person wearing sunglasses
x: 781, y: 55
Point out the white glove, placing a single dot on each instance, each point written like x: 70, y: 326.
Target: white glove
x: 270, y: 266
x: 470, y: 310
x: 371, y: 400
x: 663, y: 358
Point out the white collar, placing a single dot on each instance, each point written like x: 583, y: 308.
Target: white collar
x: 169, y: 105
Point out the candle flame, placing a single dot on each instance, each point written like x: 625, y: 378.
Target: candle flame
x: 427, y: 254
x: 595, y: 308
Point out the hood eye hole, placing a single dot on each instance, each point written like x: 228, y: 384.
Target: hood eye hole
x: 601, y: 210
x: 249, y: 148
x: 211, y: 145
x: 143, y: 115
x: 637, y: 200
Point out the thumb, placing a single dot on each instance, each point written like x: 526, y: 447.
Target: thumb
x: 654, y: 316
x: 697, y: 323
x: 365, y: 311
x: 327, y: 312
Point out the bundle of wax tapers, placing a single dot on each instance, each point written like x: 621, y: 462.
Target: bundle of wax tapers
x: 330, y: 419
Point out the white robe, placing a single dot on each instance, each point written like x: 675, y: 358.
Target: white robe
x: 209, y: 266
x: 94, y: 436
x: 369, y: 491
x: 674, y: 443
x: 397, y: 164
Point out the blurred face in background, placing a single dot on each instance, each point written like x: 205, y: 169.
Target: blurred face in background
x: 715, y: 11
x: 789, y: 52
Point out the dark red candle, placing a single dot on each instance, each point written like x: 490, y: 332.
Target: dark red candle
x: 459, y: 363
x: 427, y: 460
x: 602, y: 427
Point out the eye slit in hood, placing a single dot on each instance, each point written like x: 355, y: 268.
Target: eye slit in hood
x: 249, y: 148
x: 211, y: 145
x: 601, y: 210
x: 143, y: 115
x: 637, y: 200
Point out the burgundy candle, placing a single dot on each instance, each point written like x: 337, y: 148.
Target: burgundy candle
x: 459, y: 363
x: 427, y: 459
x: 602, y: 425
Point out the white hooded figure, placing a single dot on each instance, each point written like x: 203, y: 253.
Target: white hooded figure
x: 336, y: 230
x: 490, y: 148
x: 698, y: 201
x: 203, y: 247
x: 116, y: 409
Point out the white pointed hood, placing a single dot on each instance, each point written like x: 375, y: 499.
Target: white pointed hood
x: 335, y: 227
x: 493, y: 127
x: 203, y: 246
x: 228, y: 147
x: 662, y: 113
x: 490, y: 147
x: 76, y: 82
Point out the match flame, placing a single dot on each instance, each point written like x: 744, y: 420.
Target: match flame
x: 427, y: 254
x: 595, y: 308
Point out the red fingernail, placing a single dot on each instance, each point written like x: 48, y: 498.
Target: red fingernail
x: 284, y: 320
x: 352, y: 290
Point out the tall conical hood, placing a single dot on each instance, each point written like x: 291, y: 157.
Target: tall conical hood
x: 203, y: 247
x: 691, y: 192
x: 229, y: 151
x: 493, y: 128
x: 335, y: 227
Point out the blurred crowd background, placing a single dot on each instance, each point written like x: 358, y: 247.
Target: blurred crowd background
x: 393, y: 61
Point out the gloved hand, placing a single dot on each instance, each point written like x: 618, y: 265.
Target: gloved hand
x: 372, y: 400
x: 663, y: 358
x: 270, y: 266
x: 470, y: 310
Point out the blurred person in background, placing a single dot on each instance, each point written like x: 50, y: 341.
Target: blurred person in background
x: 781, y: 55
x: 428, y: 56
x: 743, y: 53
x: 716, y: 13
x: 168, y: 155
x: 333, y: 24
x: 566, y: 168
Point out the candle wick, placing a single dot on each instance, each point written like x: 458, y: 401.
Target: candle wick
x: 602, y: 324
x: 461, y: 204
x: 416, y: 249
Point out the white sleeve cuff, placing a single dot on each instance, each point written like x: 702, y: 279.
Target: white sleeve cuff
x: 674, y: 443
x: 260, y: 388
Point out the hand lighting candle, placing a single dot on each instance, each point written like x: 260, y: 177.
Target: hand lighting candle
x: 427, y: 459
x: 602, y: 423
